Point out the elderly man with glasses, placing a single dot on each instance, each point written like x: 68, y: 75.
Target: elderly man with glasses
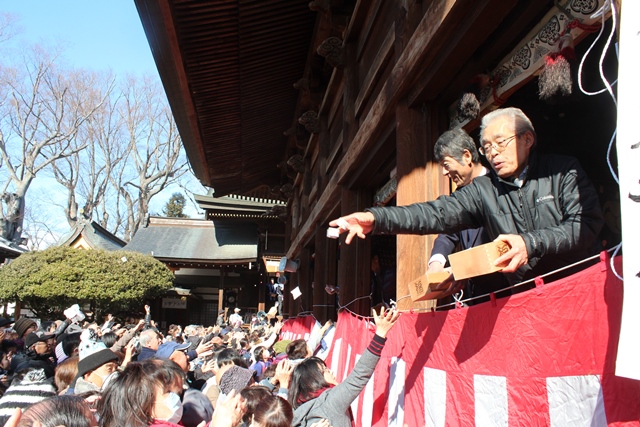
x: 544, y: 207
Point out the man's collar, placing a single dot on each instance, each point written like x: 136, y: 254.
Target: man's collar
x: 519, y: 181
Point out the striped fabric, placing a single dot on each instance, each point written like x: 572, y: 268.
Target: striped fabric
x: 299, y: 328
x: 541, y: 358
x: 32, y: 389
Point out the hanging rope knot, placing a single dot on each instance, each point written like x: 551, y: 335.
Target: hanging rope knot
x: 591, y: 28
x: 497, y: 100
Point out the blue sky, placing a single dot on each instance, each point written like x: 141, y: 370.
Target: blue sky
x: 95, y: 34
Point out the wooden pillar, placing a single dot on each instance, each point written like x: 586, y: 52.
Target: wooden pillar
x: 321, y: 260
x: 419, y: 180
x: 332, y: 276
x: 305, y: 302
x: 354, y: 267
x: 220, y: 299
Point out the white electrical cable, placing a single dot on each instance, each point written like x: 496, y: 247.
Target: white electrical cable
x: 586, y: 54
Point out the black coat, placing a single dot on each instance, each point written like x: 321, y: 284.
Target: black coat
x: 556, y: 211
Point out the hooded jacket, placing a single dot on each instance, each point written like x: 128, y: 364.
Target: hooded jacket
x: 556, y: 212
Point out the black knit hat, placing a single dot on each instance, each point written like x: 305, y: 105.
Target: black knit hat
x: 5, y: 322
x: 95, y: 360
x: 235, y: 378
x: 92, y: 353
x: 36, y: 336
x: 22, y: 324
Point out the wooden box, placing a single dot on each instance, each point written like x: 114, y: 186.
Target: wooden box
x: 424, y: 287
x: 477, y: 261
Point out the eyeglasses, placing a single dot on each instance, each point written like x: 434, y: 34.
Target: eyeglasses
x: 499, y: 146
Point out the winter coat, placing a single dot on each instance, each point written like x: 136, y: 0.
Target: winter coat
x: 334, y: 404
x: 556, y: 212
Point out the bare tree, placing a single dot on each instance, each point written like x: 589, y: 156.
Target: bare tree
x: 85, y: 174
x: 37, y: 229
x: 133, y: 152
x: 154, y: 146
x: 42, y: 108
x: 8, y: 27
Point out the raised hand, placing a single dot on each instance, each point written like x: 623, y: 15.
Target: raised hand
x: 357, y: 224
x: 385, y: 320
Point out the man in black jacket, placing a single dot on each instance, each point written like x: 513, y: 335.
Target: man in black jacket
x: 458, y: 156
x: 544, y: 207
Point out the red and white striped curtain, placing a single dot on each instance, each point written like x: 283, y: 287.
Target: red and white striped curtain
x: 541, y: 358
x: 299, y: 327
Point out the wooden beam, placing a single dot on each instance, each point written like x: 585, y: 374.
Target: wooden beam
x: 497, y: 41
x: 398, y: 84
x: 462, y: 41
x: 157, y: 20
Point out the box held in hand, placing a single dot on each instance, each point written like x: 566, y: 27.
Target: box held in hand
x: 477, y: 261
x: 424, y: 287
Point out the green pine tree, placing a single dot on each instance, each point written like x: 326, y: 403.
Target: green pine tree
x: 175, y: 206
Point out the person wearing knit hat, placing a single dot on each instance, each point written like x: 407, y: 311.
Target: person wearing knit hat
x: 96, y: 363
x: 235, y: 378
x: 23, y: 392
x: 24, y: 325
x: 38, y: 353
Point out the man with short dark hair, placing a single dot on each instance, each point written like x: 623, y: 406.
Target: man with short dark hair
x: 458, y: 156
x: 544, y: 207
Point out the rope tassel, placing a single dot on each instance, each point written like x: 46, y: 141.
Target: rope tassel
x: 555, y: 79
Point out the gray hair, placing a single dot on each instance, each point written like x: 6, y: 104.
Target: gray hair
x: 147, y: 336
x: 453, y: 143
x: 522, y: 123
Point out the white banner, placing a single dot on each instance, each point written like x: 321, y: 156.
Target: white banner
x: 628, y: 150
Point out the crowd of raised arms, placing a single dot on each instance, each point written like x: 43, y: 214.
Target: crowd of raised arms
x: 129, y: 372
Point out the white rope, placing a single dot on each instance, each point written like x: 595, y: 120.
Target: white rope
x: 457, y: 298
x: 521, y: 283
x: 613, y: 269
x: 607, y: 88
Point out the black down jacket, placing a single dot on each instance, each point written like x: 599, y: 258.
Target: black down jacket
x: 557, y: 212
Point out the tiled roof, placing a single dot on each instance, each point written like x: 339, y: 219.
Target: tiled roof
x: 97, y: 236
x: 196, y: 239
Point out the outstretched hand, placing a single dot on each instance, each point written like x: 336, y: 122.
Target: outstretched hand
x: 229, y: 412
x: 515, y: 257
x: 357, y: 224
x: 385, y: 320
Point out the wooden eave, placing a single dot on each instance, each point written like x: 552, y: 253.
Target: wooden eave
x: 434, y: 46
x: 228, y: 69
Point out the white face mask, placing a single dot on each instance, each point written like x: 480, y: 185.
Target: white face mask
x: 106, y: 380
x: 174, y: 404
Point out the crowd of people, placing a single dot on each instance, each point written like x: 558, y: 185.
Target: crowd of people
x: 75, y: 373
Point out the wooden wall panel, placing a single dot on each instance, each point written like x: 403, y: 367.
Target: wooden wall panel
x: 419, y: 180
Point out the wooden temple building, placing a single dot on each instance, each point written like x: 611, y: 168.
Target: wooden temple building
x: 218, y: 261
x: 333, y: 106
x: 88, y: 234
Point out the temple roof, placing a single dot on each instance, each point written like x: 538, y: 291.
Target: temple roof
x: 96, y: 236
x: 10, y: 250
x: 188, y: 240
x: 228, y: 68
